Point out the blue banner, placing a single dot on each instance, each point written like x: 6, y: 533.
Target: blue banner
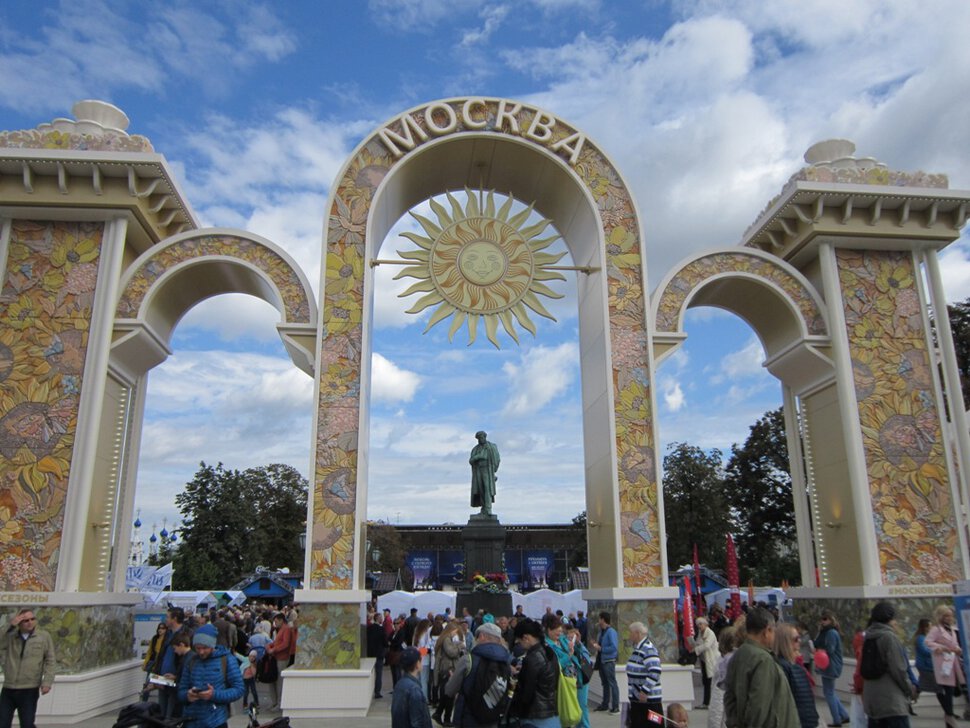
x: 424, y: 566
x: 538, y: 567
x: 451, y: 567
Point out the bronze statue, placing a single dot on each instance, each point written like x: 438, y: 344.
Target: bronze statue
x: 484, y: 461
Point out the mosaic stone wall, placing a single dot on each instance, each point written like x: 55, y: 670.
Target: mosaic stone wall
x: 295, y: 302
x: 45, y: 316
x: 853, y: 615
x: 85, y: 638
x: 335, y: 479
x: 329, y: 637
x: 913, y: 510
x: 49, y: 138
x: 657, y: 615
x: 688, y: 278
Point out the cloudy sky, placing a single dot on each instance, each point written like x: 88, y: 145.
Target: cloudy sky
x: 706, y: 106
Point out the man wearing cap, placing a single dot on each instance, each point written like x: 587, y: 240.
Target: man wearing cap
x: 409, y: 707
x: 886, y: 698
x: 489, y: 646
x: 210, y: 681
x: 27, y: 656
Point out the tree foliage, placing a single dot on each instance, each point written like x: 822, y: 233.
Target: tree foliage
x: 695, y: 507
x: 385, y: 540
x: 759, y: 487
x: 234, y: 521
x: 580, y: 552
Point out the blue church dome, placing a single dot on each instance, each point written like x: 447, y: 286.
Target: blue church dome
x: 137, y: 523
x: 154, y: 538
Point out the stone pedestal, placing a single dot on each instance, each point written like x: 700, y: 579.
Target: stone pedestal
x: 484, y: 539
x: 498, y: 605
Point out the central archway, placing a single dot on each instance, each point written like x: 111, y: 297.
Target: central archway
x: 532, y: 156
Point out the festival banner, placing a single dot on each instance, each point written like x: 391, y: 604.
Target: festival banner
x: 423, y: 565
x: 538, y: 567
x: 149, y: 578
x: 734, y: 579
x: 688, y: 612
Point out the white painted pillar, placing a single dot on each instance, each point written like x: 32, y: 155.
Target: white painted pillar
x: 76, y: 520
x: 849, y: 412
x: 799, y: 488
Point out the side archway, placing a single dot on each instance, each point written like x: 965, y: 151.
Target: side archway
x: 780, y: 304
x: 173, y: 276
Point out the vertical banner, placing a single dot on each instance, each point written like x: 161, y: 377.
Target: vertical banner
x: 422, y: 565
x: 538, y: 567
x: 688, y: 611
x: 734, y: 579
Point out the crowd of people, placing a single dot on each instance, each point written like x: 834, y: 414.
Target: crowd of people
x: 197, y: 665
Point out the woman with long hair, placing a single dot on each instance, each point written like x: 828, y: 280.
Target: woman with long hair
x: 151, y: 657
x: 437, y: 627
x: 830, y: 640
x: 422, y: 640
x: 728, y: 641
x: 943, y: 642
x: 567, y: 653
x: 448, y: 650
x: 787, y: 648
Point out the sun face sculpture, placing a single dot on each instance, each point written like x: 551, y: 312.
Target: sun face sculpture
x: 479, y: 263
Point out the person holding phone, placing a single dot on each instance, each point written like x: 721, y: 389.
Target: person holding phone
x: 210, y: 681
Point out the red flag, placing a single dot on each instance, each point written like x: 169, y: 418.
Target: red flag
x: 688, y: 610
x: 733, y: 579
x: 654, y: 717
x: 697, y: 581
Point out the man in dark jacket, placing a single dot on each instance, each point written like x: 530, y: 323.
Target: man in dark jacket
x: 489, y: 647
x: 376, y: 647
x: 536, y: 691
x: 168, y: 663
x: 886, y: 697
x: 409, y: 707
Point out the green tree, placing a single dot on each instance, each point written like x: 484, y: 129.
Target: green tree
x: 759, y: 486
x: 695, y: 508
x: 580, y: 552
x: 386, y: 542
x: 959, y: 314
x: 233, y: 521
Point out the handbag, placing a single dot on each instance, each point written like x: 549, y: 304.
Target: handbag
x: 586, y: 670
x: 570, y: 712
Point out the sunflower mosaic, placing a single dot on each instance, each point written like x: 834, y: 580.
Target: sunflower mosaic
x: 478, y: 263
x: 901, y: 431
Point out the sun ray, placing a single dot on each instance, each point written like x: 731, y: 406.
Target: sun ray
x: 423, y: 255
x: 503, y: 213
x: 521, y: 216
x: 471, y: 204
x: 425, y: 301
x: 443, y: 312
x: 542, y: 244
x: 456, y: 324
x: 429, y: 227
x: 457, y: 211
x: 545, y: 290
x: 413, y: 271
x: 490, y: 204
x: 506, y: 318
x: 532, y: 302
x: 444, y: 219
x: 533, y: 230
x: 419, y: 240
x: 491, y: 326
x: 472, y: 328
x: 425, y: 286
x: 522, y: 316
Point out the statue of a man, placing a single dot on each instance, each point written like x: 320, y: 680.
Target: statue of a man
x: 484, y: 461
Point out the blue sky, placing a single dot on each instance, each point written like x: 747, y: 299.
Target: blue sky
x: 707, y: 107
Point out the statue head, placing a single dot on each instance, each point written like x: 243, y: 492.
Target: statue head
x: 481, y: 436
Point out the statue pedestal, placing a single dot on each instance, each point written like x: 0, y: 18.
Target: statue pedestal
x: 484, y: 539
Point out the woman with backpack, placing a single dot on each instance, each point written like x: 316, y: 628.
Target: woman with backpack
x: 830, y: 641
x: 943, y: 642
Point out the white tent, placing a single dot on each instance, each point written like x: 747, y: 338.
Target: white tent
x: 190, y: 601
x: 517, y: 599
x: 574, y: 602
x: 432, y: 601
x: 236, y: 598
x: 537, y: 601
x: 399, y: 602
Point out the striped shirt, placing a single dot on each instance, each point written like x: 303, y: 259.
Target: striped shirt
x: 643, y: 672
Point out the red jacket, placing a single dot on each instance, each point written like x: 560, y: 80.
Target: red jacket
x: 283, y: 646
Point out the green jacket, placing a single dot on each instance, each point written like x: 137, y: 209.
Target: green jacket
x: 27, y: 663
x: 756, y: 691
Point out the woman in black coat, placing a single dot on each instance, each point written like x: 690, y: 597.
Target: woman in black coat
x: 536, y: 690
x: 787, y: 644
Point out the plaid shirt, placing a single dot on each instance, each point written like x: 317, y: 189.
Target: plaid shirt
x: 643, y: 672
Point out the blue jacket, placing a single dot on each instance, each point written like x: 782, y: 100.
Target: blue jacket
x: 801, y: 690
x: 830, y: 641
x: 409, y: 708
x: 483, y: 651
x: 228, y: 687
x: 924, y: 657
x: 609, y: 645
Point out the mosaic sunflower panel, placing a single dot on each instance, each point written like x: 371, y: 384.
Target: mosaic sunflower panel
x: 45, y: 316
x: 336, y: 449
x: 85, y: 638
x: 328, y: 637
x: 901, y: 431
x: 657, y: 615
x: 295, y: 302
x: 696, y: 272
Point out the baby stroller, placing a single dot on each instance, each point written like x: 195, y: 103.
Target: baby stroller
x: 145, y: 715
x: 281, y: 722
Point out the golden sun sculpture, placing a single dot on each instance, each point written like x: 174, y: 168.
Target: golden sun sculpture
x: 477, y: 263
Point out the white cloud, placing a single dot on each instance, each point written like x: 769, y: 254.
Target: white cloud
x: 234, y: 316
x: 390, y: 383
x: 542, y: 374
x: 492, y: 19
x: 673, y: 395
x: 955, y: 270
x: 746, y: 362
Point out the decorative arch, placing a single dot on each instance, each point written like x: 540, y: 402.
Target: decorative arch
x: 532, y: 155
x: 779, y: 303
x: 171, y: 277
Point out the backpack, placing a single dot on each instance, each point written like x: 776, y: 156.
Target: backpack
x: 267, y: 671
x: 486, y: 690
x: 872, y: 666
